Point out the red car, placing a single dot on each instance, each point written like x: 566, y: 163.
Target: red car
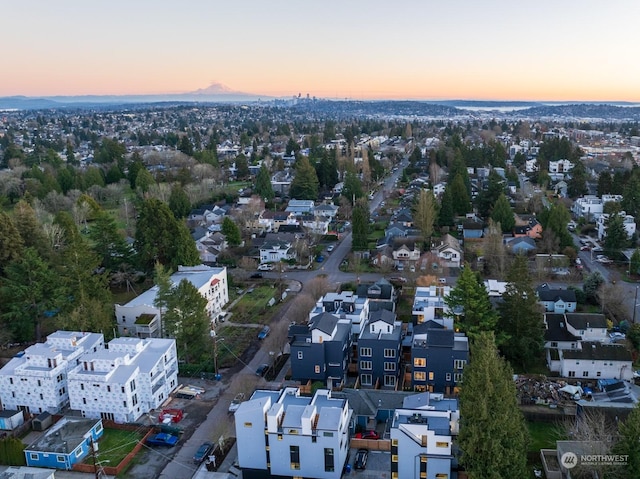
x: 585, y: 248
x: 367, y: 435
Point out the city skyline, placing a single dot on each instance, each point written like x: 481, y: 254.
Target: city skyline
x: 424, y: 50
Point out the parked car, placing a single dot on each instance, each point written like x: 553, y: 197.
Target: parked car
x: 162, y: 439
x: 262, y: 370
x: 264, y: 332
x: 585, y: 248
x: 319, y: 259
x: 616, y: 336
x: 361, y: 459
x: 202, y: 452
x: 235, y: 404
x: 367, y: 435
x: 256, y: 276
x: 331, y: 247
x: 265, y: 267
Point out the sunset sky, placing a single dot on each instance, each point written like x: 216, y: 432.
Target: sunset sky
x: 563, y: 50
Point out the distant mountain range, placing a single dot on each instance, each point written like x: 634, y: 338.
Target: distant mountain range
x: 214, y: 93
x: 219, y: 93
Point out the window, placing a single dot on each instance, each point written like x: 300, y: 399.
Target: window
x: 554, y: 344
x: 60, y: 458
x: 33, y: 456
x: 431, y: 375
x: 457, y: 377
x: 447, y: 377
x: 419, y: 376
x: 81, y: 387
x: 300, y: 355
x: 10, y: 380
x: 133, y: 385
x: 365, y: 379
x: 442, y: 475
x: 84, y: 400
x: 598, y: 374
x: 248, y: 424
x: 389, y: 366
x: 294, y: 455
x: 585, y: 374
x: 327, y: 434
x: 317, y: 369
x: 389, y: 353
x: 389, y: 380
x: 442, y: 444
x: 365, y: 365
x: 394, y: 458
x: 572, y: 374
x: 394, y: 442
x: 365, y: 352
x: 459, y: 363
x: 420, y: 362
x: 328, y: 459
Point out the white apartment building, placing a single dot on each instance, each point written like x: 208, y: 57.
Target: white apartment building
x: 141, y: 318
x: 37, y: 381
x: 345, y: 305
x: 591, y: 206
x: 284, y: 434
x: 429, y: 305
x: 421, y: 437
x: 560, y: 166
x: 129, y: 378
x: 628, y: 221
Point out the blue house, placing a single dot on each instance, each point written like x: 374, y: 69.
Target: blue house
x: 438, y: 357
x: 320, y: 351
x: 379, y: 351
x: 66, y: 443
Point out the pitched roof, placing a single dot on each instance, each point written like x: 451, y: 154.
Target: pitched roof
x: 599, y: 351
x: 382, y: 315
x: 556, y: 329
x: 555, y: 295
x: 585, y: 321
x: 324, y: 322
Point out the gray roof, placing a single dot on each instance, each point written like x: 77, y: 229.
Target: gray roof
x: 554, y: 295
x: 585, y: 320
x: 440, y: 338
x: 382, y: 315
x: 324, y: 322
x: 65, y: 436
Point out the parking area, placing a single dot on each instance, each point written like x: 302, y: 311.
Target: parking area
x: 378, y: 465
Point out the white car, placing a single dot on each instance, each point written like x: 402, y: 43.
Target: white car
x: 330, y: 248
x: 265, y: 267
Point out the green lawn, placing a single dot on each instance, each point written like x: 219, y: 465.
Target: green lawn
x: 253, y: 307
x: 543, y: 435
x: 115, y: 444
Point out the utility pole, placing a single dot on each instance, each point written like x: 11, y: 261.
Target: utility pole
x: 635, y: 306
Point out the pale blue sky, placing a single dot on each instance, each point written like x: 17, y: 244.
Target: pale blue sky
x: 490, y: 49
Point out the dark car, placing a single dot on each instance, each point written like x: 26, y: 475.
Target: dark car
x: 367, y: 435
x: 162, y: 439
x: 202, y: 452
x: 256, y: 276
x: 361, y: 459
x: 262, y: 370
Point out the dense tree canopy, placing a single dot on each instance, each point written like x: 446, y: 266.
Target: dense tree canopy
x: 503, y: 214
x: 161, y: 237
x: 305, y: 184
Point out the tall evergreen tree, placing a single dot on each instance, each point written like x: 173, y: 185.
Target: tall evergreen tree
x: 30, y: 294
x: 629, y: 445
x: 493, y: 437
x: 263, y: 184
x: 425, y: 214
x: 242, y: 167
x: 577, y: 183
x: 446, y: 215
x: 11, y: 244
x: 616, y: 238
x: 352, y: 190
x: 488, y: 197
x: 469, y: 304
x: 360, y: 226
x: 161, y: 237
x: 521, y: 317
x: 179, y: 203
x: 503, y: 214
x: 108, y: 243
x: 305, y: 184
x: 460, y: 197
x: 186, y: 320
x: 231, y: 232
